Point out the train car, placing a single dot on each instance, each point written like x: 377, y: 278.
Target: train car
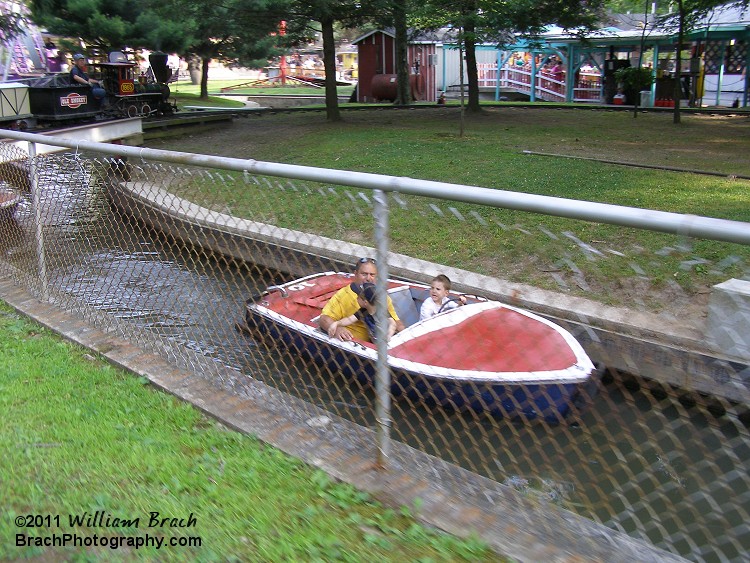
x: 128, y: 96
x: 55, y: 99
x: 15, y: 108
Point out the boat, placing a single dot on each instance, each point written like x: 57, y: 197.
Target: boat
x: 485, y: 356
x: 9, y: 201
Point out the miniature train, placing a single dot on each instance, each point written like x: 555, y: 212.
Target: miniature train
x: 55, y: 99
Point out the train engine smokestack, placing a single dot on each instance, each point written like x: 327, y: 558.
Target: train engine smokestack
x: 162, y: 74
x: 158, y: 62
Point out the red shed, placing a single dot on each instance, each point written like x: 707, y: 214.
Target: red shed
x: 377, y: 67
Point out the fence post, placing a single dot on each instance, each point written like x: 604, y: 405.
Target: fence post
x: 382, y: 373
x: 36, y: 199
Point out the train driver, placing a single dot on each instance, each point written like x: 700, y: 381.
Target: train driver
x: 78, y: 75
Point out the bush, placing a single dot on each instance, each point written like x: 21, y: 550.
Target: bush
x: 634, y: 78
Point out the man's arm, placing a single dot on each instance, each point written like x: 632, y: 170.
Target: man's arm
x: 325, y: 322
x: 391, y: 328
x: 333, y: 307
x: 392, y: 312
x: 81, y: 80
x: 335, y: 325
x: 78, y: 78
x: 342, y: 333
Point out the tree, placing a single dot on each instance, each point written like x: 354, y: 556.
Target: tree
x: 688, y: 14
x: 401, y: 42
x: 112, y: 24
x: 633, y: 80
x: 395, y: 14
x: 327, y: 13
x: 241, y: 31
x: 11, y: 25
x: 635, y: 6
x: 501, y: 21
x: 234, y: 30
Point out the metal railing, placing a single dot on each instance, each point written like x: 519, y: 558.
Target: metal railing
x: 165, y: 247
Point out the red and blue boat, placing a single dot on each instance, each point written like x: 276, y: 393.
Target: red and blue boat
x: 485, y: 356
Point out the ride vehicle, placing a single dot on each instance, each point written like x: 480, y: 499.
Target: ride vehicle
x: 54, y: 98
x: 485, y: 356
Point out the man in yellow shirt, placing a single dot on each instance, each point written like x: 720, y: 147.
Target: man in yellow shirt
x: 344, y: 304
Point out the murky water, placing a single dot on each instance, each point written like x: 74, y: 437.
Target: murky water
x: 667, y: 471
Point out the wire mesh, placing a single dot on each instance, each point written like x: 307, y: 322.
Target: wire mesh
x: 168, y: 255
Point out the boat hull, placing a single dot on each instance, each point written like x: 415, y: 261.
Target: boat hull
x: 497, y: 395
x: 9, y: 201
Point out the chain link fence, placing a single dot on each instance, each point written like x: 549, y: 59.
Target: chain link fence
x: 655, y: 443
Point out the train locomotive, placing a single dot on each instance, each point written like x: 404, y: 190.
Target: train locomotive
x: 55, y: 99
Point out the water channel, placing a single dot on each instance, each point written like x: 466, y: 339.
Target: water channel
x: 669, y: 471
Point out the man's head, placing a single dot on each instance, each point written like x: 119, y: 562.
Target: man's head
x: 79, y: 59
x: 365, y: 292
x: 366, y: 271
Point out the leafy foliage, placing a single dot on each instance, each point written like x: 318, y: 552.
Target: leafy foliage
x: 328, y: 13
x: 112, y: 24
x: 690, y: 12
x: 240, y: 31
x: 634, y: 78
x: 10, y: 25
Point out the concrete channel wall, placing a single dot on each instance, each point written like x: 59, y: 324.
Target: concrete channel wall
x: 631, y: 341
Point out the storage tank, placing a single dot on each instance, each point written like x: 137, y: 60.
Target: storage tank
x: 384, y: 87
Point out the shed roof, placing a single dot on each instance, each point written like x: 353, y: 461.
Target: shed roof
x: 415, y: 36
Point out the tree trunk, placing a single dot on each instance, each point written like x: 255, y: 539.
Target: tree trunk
x: 678, y: 62
x: 472, y: 77
x: 204, y: 78
x: 403, y: 95
x: 329, y: 61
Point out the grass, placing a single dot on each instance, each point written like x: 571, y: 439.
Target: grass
x: 80, y: 436
x: 511, y: 244
x: 184, y: 99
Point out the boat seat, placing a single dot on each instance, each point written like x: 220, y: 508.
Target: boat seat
x: 406, y: 308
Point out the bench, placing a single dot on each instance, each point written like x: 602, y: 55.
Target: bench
x: 407, y: 302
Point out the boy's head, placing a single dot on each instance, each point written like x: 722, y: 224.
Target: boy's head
x: 365, y: 291
x: 440, y: 287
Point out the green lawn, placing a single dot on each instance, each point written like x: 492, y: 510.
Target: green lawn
x: 510, y: 244
x: 79, y: 436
